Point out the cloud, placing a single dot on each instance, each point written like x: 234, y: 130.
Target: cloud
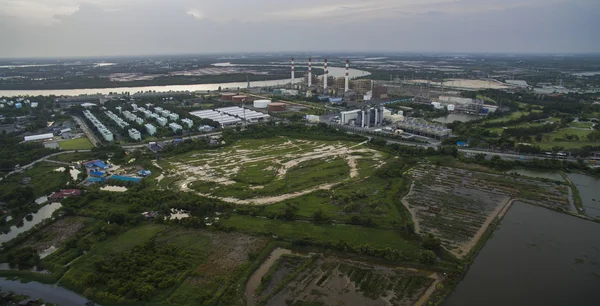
x: 131, y: 27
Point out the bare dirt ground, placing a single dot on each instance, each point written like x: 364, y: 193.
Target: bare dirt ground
x: 222, y: 167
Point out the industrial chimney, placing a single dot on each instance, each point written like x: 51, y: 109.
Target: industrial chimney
x: 346, y: 85
x: 325, y: 75
x: 292, y: 72
x: 309, y: 72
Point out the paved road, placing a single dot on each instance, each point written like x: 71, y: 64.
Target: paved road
x: 45, y: 158
x: 87, y: 131
x: 163, y: 140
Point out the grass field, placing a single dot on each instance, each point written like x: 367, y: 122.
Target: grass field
x: 512, y: 116
x: 43, y: 179
x: 584, y: 125
x: 73, y: 157
x: 353, y: 235
x: 76, y: 144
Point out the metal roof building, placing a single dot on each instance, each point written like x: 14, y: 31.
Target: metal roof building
x: 221, y: 118
x: 39, y: 137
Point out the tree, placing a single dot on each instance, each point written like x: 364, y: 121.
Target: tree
x: 428, y: 257
x: 319, y: 216
x: 432, y: 243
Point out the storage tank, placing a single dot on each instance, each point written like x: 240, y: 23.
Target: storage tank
x: 240, y: 98
x: 276, y: 107
x: 227, y: 96
x: 261, y: 103
x: 451, y: 107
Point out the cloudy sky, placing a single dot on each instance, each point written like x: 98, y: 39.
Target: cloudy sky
x: 56, y: 28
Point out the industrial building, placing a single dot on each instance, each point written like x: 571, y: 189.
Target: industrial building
x: 365, y: 117
x: 120, y: 122
x: 239, y: 98
x: 205, y: 128
x: 244, y: 114
x: 226, y: 96
x: 151, y: 129
x: 188, y: 122
x: 222, y: 118
x: 135, y: 134
x: 276, y: 107
x: 175, y: 127
x: 39, y: 137
x: 425, y: 128
x: 106, y: 134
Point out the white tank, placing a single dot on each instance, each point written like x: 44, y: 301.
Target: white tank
x: 261, y: 103
x: 451, y: 107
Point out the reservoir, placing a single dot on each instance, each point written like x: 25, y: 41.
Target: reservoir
x: 44, y: 213
x: 333, y: 71
x: 456, y: 117
x: 537, y: 257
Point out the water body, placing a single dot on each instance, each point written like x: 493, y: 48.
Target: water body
x: 333, y: 71
x: 44, y: 213
x: 537, y: 257
x: 256, y: 277
x: 456, y: 117
x: 589, y: 191
x: 49, y: 293
x: 539, y: 174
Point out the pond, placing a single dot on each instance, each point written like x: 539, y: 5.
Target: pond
x: 589, y: 191
x: 537, y: 257
x: 49, y: 293
x: 45, y: 212
x: 456, y: 117
x: 256, y: 277
x: 536, y: 173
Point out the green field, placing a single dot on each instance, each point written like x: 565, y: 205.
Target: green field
x: 583, y: 125
x: 512, y: 116
x: 44, y: 179
x: 73, y: 157
x: 76, y: 144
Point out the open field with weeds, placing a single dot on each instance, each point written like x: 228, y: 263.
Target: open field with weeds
x: 265, y: 171
x: 457, y: 205
x: 76, y: 144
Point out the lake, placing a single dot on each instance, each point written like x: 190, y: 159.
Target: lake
x: 537, y: 257
x: 456, y: 117
x: 589, y: 191
x: 49, y: 293
x: 333, y: 71
x: 44, y: 213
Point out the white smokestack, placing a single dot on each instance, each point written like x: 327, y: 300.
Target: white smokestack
x: 292, y: 72
x: 309, y: 72
x: 325, y: 75
x: 347, y: 86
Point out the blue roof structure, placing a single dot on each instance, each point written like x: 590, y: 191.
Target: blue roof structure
x: 462, y: 144
x: 97, y: 173
x: 145, y: 173
x: 96, y: 179
x: 96, y: 163
x: 126, y: 178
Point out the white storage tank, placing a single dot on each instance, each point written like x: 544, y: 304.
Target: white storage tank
x: 451, y: 107
x: 261, y: 103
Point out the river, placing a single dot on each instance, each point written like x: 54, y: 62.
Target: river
x: 537, y: 257
x: 45, y: 212
x: 49, y: 293
x: 456, y: 117
x: 589, y: 191
x: 333, y: 71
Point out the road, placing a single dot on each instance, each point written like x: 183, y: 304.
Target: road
x: 45, y: 158
x: 87, y: 131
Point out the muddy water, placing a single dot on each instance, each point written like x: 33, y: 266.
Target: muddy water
x: 44, y: 213
x: 589, y: 191
x: 255, y: 279
x: 537, y: 257
x: 539, y: 174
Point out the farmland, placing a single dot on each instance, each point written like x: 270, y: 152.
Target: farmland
x: 457, y: 205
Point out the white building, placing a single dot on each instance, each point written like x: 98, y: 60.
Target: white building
x: 39, y: 137
x: 34, y: 104
x: 139, y: 120
x: 135, y: 134
x: 173, y: 117
x: 162, y: 121
x: 151, y: 129
x: 157, y: 109
x: 188, y: 122
x: 165, y: 113
x: 134, y: 106
x: 175, y: 127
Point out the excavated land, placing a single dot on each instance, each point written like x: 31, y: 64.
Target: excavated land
x: 268, y: 171
x: 457, y: 205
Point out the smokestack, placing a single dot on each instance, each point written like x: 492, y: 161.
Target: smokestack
x: 292, y: 72
x: 325, y: 75
x: 347, y: 86
x: 309, y: 72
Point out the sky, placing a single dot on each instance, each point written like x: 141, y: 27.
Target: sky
x: 64, y: 28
